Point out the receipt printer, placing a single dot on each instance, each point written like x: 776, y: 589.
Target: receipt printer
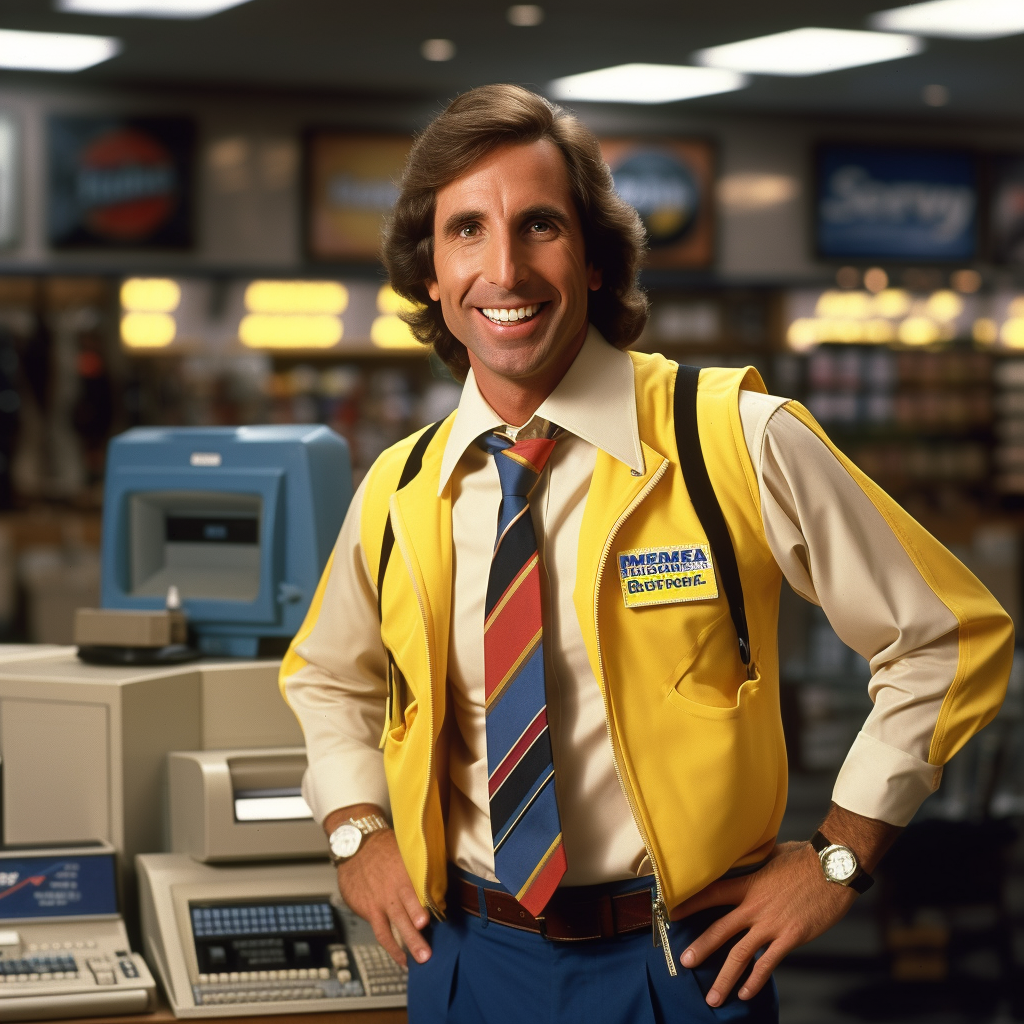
x: 241, y: 805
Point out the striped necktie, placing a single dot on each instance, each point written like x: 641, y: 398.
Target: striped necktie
x: 529, y: 859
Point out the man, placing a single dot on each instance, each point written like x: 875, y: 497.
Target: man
x: 550, y: 730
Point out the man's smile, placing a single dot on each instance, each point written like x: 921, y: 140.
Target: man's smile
x: 503, y: 315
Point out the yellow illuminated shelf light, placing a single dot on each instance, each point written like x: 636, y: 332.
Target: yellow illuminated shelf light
x: 150, y: 295
x: 148, y: 330
x: 290, y: 331
x: 324, y: 297
x: 389, y: 330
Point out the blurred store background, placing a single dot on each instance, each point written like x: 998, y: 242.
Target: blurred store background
x: 190, y: 199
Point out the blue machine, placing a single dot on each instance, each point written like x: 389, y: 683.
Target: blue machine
x: 241, y: 520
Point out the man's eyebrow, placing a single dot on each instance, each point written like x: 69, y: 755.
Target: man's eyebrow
x: 456, y: 220
x: 545, y: 213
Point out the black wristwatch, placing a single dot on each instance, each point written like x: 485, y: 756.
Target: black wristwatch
x: 839, y: 863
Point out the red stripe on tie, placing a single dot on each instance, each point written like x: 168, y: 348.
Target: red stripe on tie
x: 512, y: 758
x: 535, y: 899
x: 510, y: 632
x: 534, y: 451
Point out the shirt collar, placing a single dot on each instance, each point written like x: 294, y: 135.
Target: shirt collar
x: 595, y: 400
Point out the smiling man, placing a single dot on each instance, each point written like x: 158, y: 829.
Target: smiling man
x: 539, y: 684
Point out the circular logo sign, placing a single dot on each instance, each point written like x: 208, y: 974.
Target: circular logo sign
x: 663, y: 190
x: 127, y: 185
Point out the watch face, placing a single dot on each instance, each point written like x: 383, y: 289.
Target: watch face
x: 839, y: 863
x: 345, y: 840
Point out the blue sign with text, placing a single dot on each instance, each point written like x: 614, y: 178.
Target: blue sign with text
x: 906, y: 204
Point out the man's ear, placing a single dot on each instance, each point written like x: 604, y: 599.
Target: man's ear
x: 595, y: 277
x: 432, y: 289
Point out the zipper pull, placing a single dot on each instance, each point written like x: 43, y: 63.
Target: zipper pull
x: 659, y: 929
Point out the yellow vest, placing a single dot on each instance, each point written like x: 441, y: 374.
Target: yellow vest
x: 697, y: 744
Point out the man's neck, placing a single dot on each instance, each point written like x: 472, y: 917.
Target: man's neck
x: 516, y: 400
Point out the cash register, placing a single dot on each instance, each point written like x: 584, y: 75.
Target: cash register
x: 64, y: 950
x: 244, y: 916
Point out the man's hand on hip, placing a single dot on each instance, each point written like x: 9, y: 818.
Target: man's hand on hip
x: 375, y: 884
x: 783, y: 905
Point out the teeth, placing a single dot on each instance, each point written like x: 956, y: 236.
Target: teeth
x: 501, y: 316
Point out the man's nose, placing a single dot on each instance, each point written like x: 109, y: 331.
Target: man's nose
x: 506, y: 265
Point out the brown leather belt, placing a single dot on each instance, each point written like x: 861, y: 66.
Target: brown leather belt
x: 568, y: 917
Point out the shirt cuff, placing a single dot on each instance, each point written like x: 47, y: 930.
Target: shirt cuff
x: 343, y: 779
x: 884, y: 782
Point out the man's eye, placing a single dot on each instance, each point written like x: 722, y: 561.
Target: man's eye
x: 468, y: 231
x: 540, y: 226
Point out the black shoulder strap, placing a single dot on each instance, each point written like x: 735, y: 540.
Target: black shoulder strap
x: 413, y: 465
x: 705, y: 501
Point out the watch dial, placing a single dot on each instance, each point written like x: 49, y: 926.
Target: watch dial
x: 345, y: 841
x: 840, y: 864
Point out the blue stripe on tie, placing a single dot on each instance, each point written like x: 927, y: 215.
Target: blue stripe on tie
x: 530, y: 819
x: 518, y: 707
x: 518, y: 857
x: 511, y: 506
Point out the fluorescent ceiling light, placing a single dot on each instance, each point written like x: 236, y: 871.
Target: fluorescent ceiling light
x: 54, y: 51
x: 149, y: 8
x: 809, y: 51
x: 961, y: 19
x: 645, y: 83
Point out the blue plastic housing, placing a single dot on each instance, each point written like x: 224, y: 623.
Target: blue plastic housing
x: 290, y: 484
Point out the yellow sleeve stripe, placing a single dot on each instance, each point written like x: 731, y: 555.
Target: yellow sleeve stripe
x: 985, y: 630
x: 293, y: 661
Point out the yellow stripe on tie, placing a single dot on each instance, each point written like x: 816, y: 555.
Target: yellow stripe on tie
x: 512, y: 588
x: 513, y: 671
x: 540, y: 867
x: 509, y: 454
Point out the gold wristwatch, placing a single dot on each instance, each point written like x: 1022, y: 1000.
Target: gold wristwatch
x: 346, y: 839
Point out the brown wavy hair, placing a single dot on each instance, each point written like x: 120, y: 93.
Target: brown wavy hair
x: 473, y: 125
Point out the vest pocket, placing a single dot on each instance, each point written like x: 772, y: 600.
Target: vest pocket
x: 710, y: 676
x: 402, y: 723
x: 735, y: 750
x: 747, y: 691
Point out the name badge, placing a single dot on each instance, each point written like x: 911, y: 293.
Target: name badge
x: 652, y: 576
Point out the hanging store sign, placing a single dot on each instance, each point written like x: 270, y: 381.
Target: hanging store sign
x: 10, y: 181
x: 351, y: 184
x: 1006, y: 209
x: 889, y: 203
x: 670, y: 183
x: 121, y: 182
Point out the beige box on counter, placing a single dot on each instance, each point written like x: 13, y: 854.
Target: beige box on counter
x: 107, y: 627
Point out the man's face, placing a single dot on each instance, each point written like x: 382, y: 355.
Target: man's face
x: 510, y: 267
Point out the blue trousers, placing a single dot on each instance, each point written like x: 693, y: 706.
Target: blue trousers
x: 488, y: 973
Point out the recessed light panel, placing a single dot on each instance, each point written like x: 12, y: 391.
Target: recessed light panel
x: 961, y: 19
x: 809, y: 51
x: 645, y: 83
x: 184, y: 9
x: 54, y: 51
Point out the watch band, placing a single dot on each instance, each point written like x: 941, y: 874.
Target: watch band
x: 861, y: 880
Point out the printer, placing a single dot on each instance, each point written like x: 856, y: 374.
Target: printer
x: 243, y: 917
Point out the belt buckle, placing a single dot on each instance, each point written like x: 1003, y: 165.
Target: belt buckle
x: 542, y: 926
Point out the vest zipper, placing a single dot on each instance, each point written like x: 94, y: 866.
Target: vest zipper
x: 659, y: 913
x: 400, y: 538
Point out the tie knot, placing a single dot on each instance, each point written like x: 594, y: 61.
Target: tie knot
x: 519, y: 462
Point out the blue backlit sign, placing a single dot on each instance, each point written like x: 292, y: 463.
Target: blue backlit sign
x: 887, y: 203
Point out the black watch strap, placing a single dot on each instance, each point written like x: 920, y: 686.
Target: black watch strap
x: 861, y: 881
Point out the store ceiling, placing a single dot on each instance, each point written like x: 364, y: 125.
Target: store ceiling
x: 374, y: 48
